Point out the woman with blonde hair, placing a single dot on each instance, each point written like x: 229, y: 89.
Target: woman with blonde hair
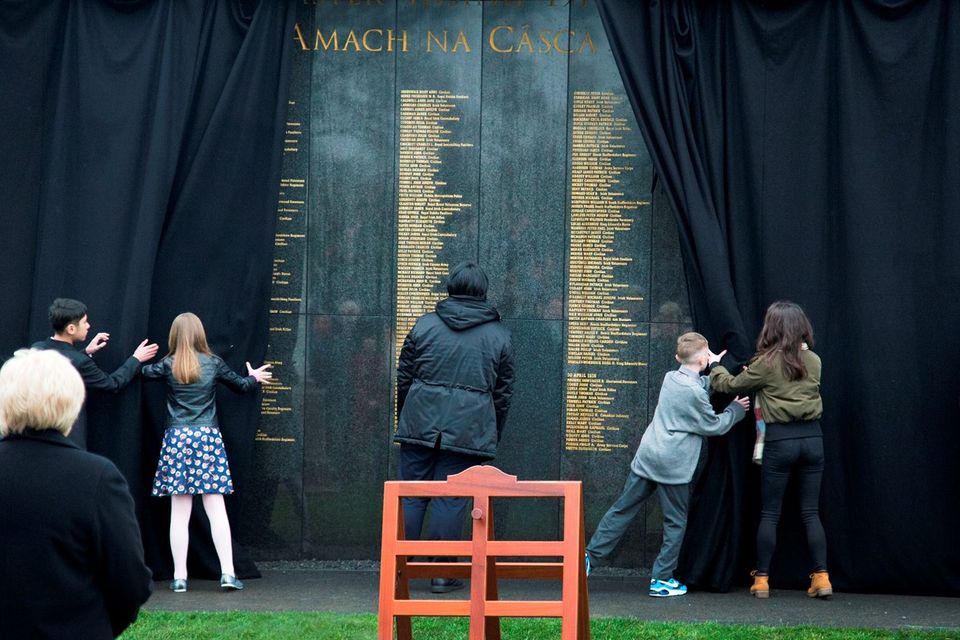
x: 71, y: 560
x: 192, y: 457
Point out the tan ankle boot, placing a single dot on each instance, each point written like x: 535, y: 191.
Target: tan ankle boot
x: 820, y: 586
x: 761, y: 586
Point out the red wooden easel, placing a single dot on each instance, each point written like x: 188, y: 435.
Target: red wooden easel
x: 484, y: 608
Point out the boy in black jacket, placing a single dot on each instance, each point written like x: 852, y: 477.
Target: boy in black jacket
x: 68, y: 318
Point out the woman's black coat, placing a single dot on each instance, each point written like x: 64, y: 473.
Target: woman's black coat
x: 455, y: 379
x: 71, y: 560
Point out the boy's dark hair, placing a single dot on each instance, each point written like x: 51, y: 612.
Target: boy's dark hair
x: 467, y: 279
x: 65, y: 311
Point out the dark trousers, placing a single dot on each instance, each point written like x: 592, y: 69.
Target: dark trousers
x: 802, y: 458
x: 674, y: 499
x: 446, y: 514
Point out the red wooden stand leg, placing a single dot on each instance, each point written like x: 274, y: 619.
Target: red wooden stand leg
x: 388, y: 561
x: 493, y: 623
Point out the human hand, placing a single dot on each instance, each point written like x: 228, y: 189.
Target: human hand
x: 99, y: 342
x: 260, y: 374
x: 714, y: 358
x: 743, y: 402
x: 145, y: 351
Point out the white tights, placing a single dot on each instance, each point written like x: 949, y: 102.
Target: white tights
x: 180, y: 510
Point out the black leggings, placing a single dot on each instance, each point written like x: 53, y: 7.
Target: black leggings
x: 802, y: 457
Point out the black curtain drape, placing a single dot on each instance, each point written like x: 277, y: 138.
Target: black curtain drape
x: 811, y: 151
x: 139, y: 169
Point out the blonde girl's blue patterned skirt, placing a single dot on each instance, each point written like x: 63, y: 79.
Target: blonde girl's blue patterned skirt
x: 192, y: 461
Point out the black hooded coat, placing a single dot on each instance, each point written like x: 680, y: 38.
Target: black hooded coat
x: 455, y: 379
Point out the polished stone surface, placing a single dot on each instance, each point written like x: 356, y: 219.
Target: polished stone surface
x: 598, y: 72
x: 604, y: 474
x: 352, y: 167
x: 437, y: 196
x: 523, y: 150
x: 668, y: 290
x: 346, y: 434
x: 320, y: 461
x: 273, y: 505
x: 530, y: 447
x: 457, y: 72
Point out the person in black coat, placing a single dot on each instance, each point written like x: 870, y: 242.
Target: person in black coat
x: 71, y: 560
x: 68, y: 318
x: 454, y: 384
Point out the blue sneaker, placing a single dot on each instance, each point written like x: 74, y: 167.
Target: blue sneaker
x: 666, y: 588
x: 586, y: 562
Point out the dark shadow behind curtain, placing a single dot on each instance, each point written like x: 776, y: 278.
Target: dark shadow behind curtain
x: 811, y: 151
x: 140, y: 168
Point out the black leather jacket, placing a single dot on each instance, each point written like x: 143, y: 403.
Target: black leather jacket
x: 455, y: 379
x: 193, y: 405
x: 93, y: 378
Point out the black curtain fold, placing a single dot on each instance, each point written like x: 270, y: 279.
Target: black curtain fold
x: 140, y: 175
x: 811, y: 151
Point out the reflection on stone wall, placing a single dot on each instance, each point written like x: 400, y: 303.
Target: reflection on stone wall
x: 421, y: 133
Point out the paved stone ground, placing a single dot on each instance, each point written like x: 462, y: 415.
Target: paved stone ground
x: 304, y: 587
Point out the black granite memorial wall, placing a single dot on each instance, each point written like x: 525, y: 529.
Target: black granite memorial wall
x: 422, y: 133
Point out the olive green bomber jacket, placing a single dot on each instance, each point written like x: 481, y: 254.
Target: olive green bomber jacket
x: 782, y: 400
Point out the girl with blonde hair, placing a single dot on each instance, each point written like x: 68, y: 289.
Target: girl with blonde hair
x: 192, y: 457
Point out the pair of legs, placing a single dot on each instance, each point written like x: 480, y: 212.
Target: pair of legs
x: 446, y: 516
x: 674, y: 501
x: 180, y: 509
x: 802, y: 457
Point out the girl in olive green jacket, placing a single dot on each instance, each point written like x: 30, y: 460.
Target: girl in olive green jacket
x: 785, y: 378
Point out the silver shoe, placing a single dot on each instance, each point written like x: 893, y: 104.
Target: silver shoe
x: 178, y: 585
x: 228, y: 581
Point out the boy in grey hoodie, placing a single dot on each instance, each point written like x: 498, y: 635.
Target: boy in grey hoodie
x: 667, y: 459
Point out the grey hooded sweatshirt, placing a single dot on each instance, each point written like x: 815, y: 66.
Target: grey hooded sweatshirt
x: 670, y: 447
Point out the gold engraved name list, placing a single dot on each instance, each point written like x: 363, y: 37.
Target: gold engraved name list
x: 600, y: 330
x: 425, y: 204
x: 276, y: 400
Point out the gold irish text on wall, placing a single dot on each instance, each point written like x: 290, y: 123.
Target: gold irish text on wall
x: 600, y: 330
x: 429, y: 120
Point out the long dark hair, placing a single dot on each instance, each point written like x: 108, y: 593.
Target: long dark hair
x: 785, y: 329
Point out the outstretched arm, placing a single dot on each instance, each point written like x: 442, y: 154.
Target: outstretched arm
x: 706, y: 422
x: 240, y: 383
x: 99, y: 342
x: 261, y: 374
x: 145, y: 351
x: 748, y: 381
x: 156, y: 370
x: 96, y: 378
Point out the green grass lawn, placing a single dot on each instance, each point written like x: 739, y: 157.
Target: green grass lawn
x: 162, y: 625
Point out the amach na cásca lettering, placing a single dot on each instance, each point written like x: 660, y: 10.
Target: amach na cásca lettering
x: 500, y: 39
